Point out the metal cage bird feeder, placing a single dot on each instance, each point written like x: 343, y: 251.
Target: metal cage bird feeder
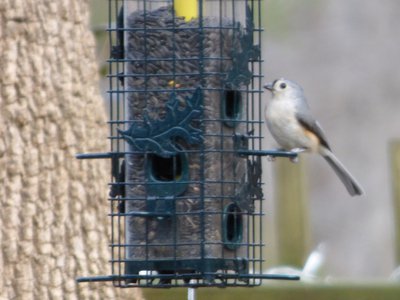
x: 185, y: 133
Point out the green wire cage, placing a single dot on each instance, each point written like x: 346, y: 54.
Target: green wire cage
x: 185, y: 131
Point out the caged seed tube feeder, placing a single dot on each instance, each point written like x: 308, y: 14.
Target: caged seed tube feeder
x: 185, y: 135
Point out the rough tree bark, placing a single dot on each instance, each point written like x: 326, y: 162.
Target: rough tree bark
x: 53, y: 213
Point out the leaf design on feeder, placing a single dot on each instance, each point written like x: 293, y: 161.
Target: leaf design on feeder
x: 159, y: 136
x: 240, y: 73
x: 250, y: 190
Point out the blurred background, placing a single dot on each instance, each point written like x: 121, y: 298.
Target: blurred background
x: 345, y: 55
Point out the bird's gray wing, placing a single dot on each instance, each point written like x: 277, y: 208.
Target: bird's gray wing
x: 306, y: 120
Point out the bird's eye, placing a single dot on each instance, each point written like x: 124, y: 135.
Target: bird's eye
x: 282, y: 85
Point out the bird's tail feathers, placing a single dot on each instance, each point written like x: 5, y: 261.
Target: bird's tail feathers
x: 351, y: 184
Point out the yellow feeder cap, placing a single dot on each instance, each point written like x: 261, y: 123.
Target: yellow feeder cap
x: 189, y: 9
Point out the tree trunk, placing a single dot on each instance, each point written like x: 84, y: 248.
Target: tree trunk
x: 53, y: 214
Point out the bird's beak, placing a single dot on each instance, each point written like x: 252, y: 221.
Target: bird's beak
x: 269, y: 86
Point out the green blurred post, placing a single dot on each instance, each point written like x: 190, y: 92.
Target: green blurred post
x: 292, y: 217
x: 395, y: 170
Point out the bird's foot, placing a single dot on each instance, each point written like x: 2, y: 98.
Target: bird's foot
x: 298, y: 150
x: 295, y: 159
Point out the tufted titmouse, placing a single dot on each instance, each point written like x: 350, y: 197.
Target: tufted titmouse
x: 290, y: 122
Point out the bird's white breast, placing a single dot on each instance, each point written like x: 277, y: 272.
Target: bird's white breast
x: 281, y: 120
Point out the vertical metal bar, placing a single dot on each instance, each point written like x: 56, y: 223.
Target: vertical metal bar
x: 202, y: 147
x: 110, y: 130
x: 235, y: 93
x: 257, y: 26
x: 122, y: 113
x: 249, y: 128
x: 222, y: 94
x: 123, y: 241
x: 117, y: 112
x: 146, y: 155
x: 174, y: 158
x: 254, y: 217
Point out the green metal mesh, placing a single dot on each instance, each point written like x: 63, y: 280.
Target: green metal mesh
x: 185, y: 135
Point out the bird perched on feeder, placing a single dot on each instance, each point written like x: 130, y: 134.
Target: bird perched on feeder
x: 291, y: 123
